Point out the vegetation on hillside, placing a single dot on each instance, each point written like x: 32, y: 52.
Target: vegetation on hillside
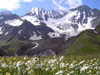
x: 88, y: 42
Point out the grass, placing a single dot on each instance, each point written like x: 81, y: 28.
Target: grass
x: 87, y: 43
x: 13, y: 46
x: 49, y: 65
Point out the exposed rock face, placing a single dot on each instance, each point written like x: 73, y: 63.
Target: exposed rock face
x: 48, y: 53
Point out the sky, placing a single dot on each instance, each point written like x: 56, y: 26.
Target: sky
x: 21, y: 7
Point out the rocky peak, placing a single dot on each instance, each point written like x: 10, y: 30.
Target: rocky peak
x: 5, y: 13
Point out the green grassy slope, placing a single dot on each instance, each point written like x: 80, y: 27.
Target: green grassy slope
x: 87, y: 42
x: 12, y: 46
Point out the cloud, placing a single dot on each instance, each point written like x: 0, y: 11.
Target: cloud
x: 40, y: 0
x: 73, y: 3
x: 27, y: 0
x: 11, y: 4
x: 69, y: 3
x: 58, y: 4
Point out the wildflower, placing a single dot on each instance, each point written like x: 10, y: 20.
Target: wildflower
x: 72, y: 65
x: 4, y: 65
x: 31, y: 72
x: 92, y: 72
x: 84, y: 68
x: 14, y: 58
x: 25, y: 58
x: 0, y: 70
x: 40, y: 65
x: 35, y: 59
x: 47, y: 69
x: 19, y: 63
x: 70, y: 73
x: 28, y: 62
x: 59, y: 72
x: 8, y: 73
x: 61, y: 58
x: 62, y: 65
x: 82, y: 62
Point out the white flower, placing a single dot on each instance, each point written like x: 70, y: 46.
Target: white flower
x: 4, y: 65
x: 61, y: 58
x: 70, y: 72
x: 25, y: 58
x: 35, y: 59
x: 82, y: 62
x: 47, y: 69
x: 84, y: 68
x: 19, y: 63
x: 28, y: 62
x: 31, y: 72
x: 40, y: 65
x: 72, y: 65
x: 59, y: 72
x: 67, y: 64
x: 62, y: 65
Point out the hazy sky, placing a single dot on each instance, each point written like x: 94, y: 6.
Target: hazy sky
x: 21, y: 7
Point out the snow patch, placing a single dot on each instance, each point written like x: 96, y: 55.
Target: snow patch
x: 20, y: 31
x: 1, y: 30
x: 35, y: 45
x: 78, y: 15
x: 53, y: 34
x: 95, y: 32
x: 35, y: 37
x: 15, y: 22
x: 6, y: 33
x: 88, y: 25
x: 36, y: 10
x: 62, y: 25
x: 32, y: 19
x: 1, y: 17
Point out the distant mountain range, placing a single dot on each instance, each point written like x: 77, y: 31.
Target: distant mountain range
x: 48, y: 32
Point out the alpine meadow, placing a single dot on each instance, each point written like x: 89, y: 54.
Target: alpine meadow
x: 49, y: 37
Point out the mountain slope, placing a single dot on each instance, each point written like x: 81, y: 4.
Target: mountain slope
x: 11, y: 46
x: 41, y: 31
x: 75, y: 20
x: 87, y: 42
x: 69, y: 23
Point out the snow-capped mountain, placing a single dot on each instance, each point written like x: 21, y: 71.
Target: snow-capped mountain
x: 43, y: 15
x: 75, y: 21
x: 13, y: 25
x: 34, y: 32
x: 7, y: 15
x: 39, y: 23
x: 69, y: 23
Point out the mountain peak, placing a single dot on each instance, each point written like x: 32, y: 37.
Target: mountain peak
x: 82, y: 7
x: 36, y: 11
x: 5, y: 13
